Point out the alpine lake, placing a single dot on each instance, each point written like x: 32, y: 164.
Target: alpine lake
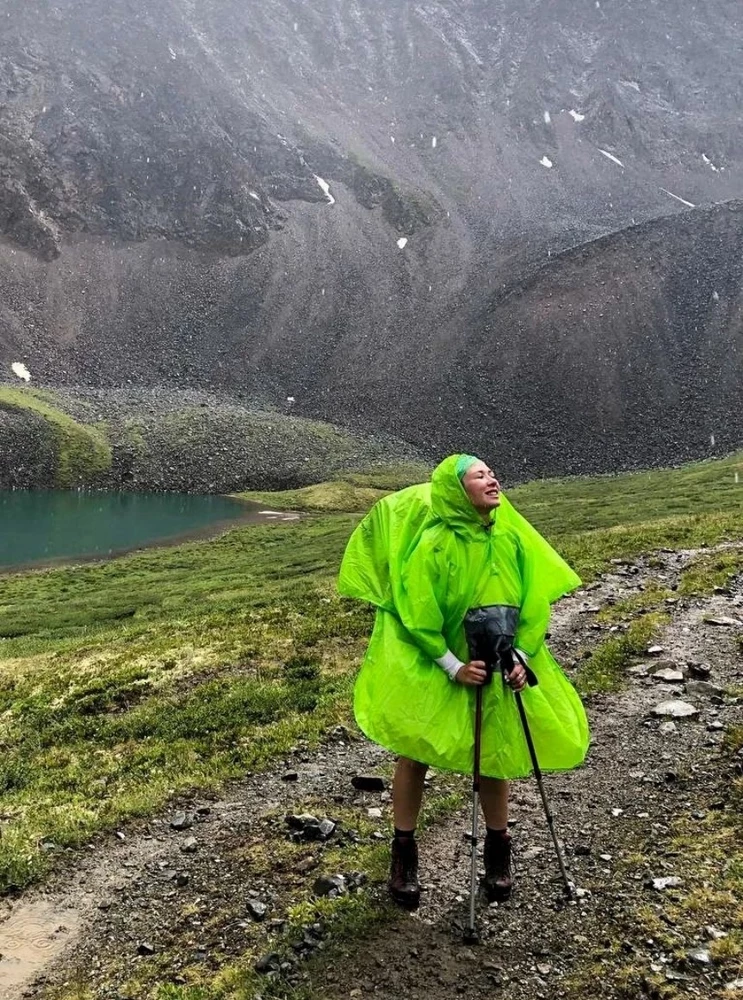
x: 40, y: 528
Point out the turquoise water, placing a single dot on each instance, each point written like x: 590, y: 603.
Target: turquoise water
x: 40, y: 527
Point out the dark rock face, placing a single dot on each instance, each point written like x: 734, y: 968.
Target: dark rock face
x: 166, y: 179
x: 28, y: 454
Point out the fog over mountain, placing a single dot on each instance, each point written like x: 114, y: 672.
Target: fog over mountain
x: 511, y: 226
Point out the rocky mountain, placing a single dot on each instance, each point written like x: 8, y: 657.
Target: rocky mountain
x: 509, y: 226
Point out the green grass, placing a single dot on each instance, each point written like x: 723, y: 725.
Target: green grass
x: 605, y: 668
x: 82, y: 452
x: 126, y: 682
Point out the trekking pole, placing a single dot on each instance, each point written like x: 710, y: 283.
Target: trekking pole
x: 569, y: 887
x: 470, y: 932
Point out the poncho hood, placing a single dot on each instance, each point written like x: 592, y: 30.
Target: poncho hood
x: 449, y: 500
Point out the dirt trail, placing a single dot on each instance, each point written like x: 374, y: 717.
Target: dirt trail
x: 143, y: 894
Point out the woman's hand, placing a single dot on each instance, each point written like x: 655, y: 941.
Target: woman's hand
x: 517, y: 677
x: 473, y: 673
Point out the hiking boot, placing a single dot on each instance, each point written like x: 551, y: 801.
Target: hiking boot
x: 498, y: 881
x: 403, y: 884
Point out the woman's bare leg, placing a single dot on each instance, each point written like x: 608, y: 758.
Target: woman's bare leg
x: 494, y: 798
x: 407, y: 792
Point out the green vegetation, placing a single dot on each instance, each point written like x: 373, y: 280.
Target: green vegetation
x: 352, y: 493
x: 124, y: 683
x: 604, y: 668
x: 82, y: 452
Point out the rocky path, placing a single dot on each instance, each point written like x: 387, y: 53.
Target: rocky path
x: 190, y: 886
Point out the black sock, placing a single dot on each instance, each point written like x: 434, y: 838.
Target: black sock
x: 496, y: 833
x: 404, y: 834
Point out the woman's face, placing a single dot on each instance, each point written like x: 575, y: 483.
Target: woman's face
x: 482, y: 487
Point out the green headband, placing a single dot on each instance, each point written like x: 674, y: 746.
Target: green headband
x: 464, y: 462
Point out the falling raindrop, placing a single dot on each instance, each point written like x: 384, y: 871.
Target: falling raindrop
x: 547, y: 118
x: 433, y: 142
x: 546, y: 161
x: 712, y: 440
x: 402, y: 242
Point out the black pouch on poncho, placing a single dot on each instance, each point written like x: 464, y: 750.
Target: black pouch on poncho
x: 490, y: 632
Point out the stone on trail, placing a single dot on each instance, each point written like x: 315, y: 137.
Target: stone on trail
x: 190, y: 845
x: 181, y: 821
x: 667, y: 728
x: 268, y: 963
x: 368, y: 783
x: 655, y: 650
x: 733, y: 985
x: 374, y: 813
x: 668, y: 674
x: 145, y: 948
x: 705, y: 689
x: 699, y: 955
x: 330, y: 885
x: 257, y: 909
x: 723, y: 620
x: 667, y: 882
x: 675, y: 709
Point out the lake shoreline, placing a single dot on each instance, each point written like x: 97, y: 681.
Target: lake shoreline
x: 245, y: 513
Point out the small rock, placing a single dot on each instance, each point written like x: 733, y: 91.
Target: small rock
x: 374, y: 813
x: 290, y: 776
x: 582, y: 850
x: 145, y: 948
x: 302, y: 822
x: 268, y: 963
x: 735, y: 984
x: 181, y: 880
x: 120, y: 835
x: 330, y: 885
x: 181, y: 821
x: 655, y: 650
x: 544, y: 970
x: 368, y: 783
x: 257, y: 909
x: 701, y: 670
x: 705, y: 689
x: 699, y: 955
x: 190, y: 845
x: 667, y: 728
x: 713, y: 934
x: 671, y: 674
x: 675, y: 709
x: 723, y: 620
x: 617, y: 812
x: 667, y: 882
x: 326, y: 829
x: 639, y: 670
x: 715, y: 725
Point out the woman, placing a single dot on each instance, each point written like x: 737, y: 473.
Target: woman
x: 424, y: 556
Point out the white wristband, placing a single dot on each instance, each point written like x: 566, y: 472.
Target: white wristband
x: 450, y: 663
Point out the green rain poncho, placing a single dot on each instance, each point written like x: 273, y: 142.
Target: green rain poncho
x: 423, y: 557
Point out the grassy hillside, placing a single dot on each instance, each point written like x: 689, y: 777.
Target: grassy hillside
x: 124, y: 682
x: 82, y: 453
